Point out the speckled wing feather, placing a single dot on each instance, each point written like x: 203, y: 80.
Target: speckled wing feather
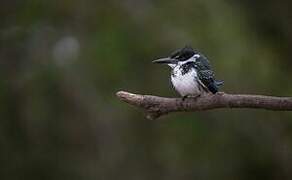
x: 203, y: 63
x: 205, y: 74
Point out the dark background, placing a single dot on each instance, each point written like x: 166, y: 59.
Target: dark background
x: 61, y: 63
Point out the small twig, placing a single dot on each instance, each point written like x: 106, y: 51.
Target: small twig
x: 157, y: 106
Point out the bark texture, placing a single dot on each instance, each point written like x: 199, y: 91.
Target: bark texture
x: 156, y: 106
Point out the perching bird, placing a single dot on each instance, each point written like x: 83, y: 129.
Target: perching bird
x: 191, y: 73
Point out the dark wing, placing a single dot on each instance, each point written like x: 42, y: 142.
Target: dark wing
x: 206, y: 78
x: 203, y: 63
x: 206, y: 75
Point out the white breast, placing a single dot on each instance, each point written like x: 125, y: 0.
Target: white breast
x: 185, y: 84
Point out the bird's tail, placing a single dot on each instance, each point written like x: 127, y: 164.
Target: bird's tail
x: 219, y: 83
x: 214, y: 87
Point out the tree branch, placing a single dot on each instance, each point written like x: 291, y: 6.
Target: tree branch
x: 157, y: 106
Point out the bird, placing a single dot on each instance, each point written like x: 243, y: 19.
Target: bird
x: 191, y: 73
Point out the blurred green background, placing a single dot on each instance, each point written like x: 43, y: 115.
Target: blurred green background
x: 61, y: 63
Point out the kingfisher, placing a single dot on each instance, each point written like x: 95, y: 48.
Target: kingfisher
x: 191, y: 72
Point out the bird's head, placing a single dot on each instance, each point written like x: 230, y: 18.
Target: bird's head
x: 179, y: 57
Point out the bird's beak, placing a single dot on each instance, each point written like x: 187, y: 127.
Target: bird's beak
x: 165, y: 61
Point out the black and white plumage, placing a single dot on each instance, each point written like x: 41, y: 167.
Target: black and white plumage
x: 191, y: 73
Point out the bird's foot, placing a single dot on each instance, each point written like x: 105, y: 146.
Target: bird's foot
x: 220, y: 93
x: 184, y: 97
x: 191, y: 96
